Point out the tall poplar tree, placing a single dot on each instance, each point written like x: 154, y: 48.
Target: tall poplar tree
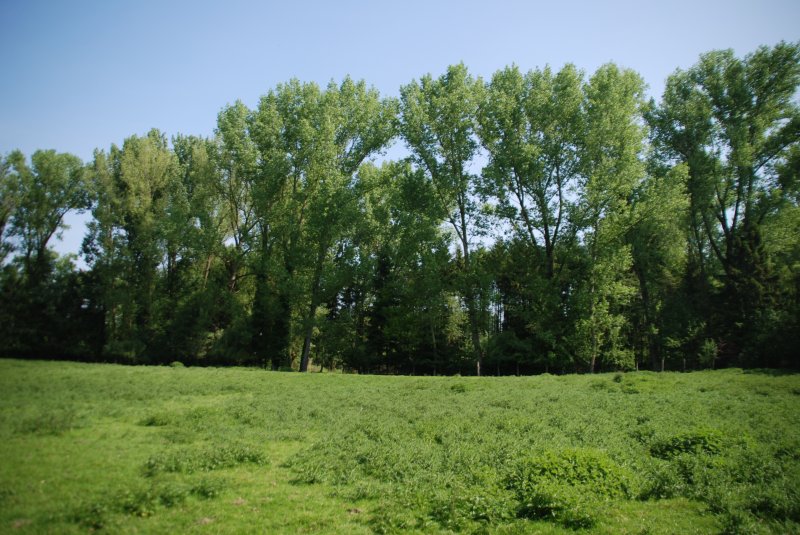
x: 35, y: 285
x: 734, y: 122
x: 437, y: 121
x: 126, y: 242
x: 531, y: 126
x: 612, y: 166
x: 311, y: 144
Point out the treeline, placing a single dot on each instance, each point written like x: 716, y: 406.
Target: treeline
x: 543, y: 221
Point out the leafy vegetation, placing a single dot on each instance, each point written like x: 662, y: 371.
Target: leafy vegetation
x: 548, y: 221
x: 229, y: 450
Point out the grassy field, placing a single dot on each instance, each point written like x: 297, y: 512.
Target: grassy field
x: 89, y: 447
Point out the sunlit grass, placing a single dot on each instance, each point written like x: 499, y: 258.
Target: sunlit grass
x: 183, y: 450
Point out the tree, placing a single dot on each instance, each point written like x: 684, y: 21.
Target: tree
x: 437, y: 121
x: 245, y: 221
x: 612, y: 166
x: 311, y: 143
x: 403, y: 255
x: 35, y: 285
x: 44, y: 193
x: 236, y: 159
x: 734, y: 122
x: 531, y: 126
x: 8, y: 203
x: 197, y: 305
x: 658, y: 240
x: 126, y: 242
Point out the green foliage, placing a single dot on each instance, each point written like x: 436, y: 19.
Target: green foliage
x: 700, y: 441
x: 733, y: 123
x: 577, y: 246
x: 437, y: 121
x: 567, y: 485
x: 208, y: 488
x: 590, y: 469
x: 708, y: 352
x: 562, y: 504
x: 42, y: 194
x: 157, y: 420
x: 189, y: 460
x: 142, y: 502
x: 698, y: 451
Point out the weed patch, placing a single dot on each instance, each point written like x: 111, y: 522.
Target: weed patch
x: 143, y: 501
x: 706, y: 441
x: 189, y: 460
x: 567, y: 486
x: 422, y: 454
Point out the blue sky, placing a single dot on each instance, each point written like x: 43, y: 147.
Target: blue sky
x: 81, y: 75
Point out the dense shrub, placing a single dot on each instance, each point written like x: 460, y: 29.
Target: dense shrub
x: 591, y: 470
x: 567, y: 485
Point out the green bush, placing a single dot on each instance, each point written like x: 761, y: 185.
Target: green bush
x: 398, y: 515
x: 661, y: 481
x: 589, y: 469
x: 141, y: 503
x: 567, y: 486
x: 698, y: 441
x: 488, y: 503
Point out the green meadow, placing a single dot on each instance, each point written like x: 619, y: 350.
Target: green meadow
x: 116, y: 449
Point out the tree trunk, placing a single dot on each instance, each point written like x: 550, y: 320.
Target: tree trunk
x: 593, y: 361
x: 652, y: 346
x: 312, y: 308
x: 476, y: 337
x: 470, y: 292
x: 207, y: 270
x: 307, y: 338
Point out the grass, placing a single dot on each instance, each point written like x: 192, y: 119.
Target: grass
x: 91, y: 447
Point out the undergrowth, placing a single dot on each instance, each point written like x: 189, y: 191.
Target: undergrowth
x: 109, y: 447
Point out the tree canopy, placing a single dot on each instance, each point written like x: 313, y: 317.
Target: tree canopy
x: 543, y: 221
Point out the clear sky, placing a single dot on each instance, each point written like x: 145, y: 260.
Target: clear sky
x: 79, y: 75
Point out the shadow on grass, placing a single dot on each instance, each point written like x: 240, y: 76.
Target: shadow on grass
x: 773, y: 372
